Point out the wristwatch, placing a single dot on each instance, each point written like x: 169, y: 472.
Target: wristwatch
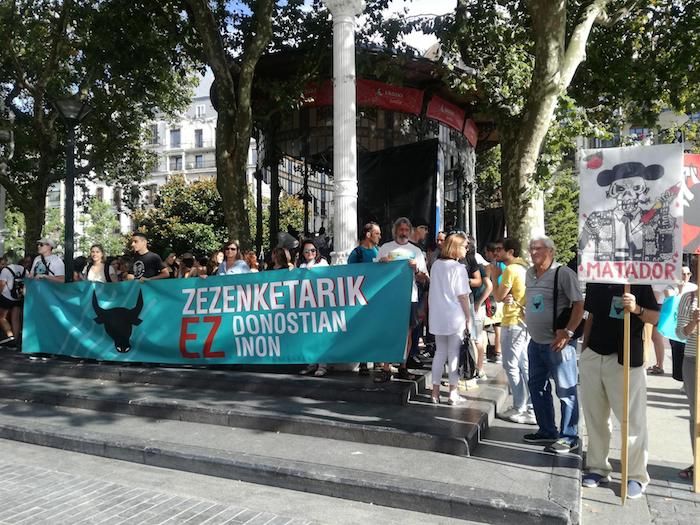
x: 569, y: 333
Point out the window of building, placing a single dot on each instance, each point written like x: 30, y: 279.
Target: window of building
x: 201, y: 110
x: 198, y: 161
x: 198, y: 138
x: 154, y: 134
x: 175, y: 138
x: 176, y: 163
x: 117, y: 199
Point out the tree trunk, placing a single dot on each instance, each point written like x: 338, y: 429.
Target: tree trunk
x: 34, y: 211
x: 554, y: 67
x: 234, y: 121
x: 231, y: 178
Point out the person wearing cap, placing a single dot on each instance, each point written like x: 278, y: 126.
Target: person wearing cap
x: 147, y: 266
x: 47, y: 265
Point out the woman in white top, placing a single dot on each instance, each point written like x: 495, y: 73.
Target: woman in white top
x: 448, y: 311
x: 233, y: 262
x: 310, y: 258
x: 310, y: 255
x: 96, y: 270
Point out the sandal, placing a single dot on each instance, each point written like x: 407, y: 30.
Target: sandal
x: 321, y: 371
x: 382, y: 377
x: 686, y: 473
x: 655, y: 371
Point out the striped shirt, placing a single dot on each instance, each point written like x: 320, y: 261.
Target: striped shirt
x: 688, y: 302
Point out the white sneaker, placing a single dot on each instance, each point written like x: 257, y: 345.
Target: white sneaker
x: 508, y: 413
x: 524, y: 418
x: 454, y: 399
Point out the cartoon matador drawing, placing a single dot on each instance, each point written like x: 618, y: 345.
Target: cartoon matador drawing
x: 635, y: 229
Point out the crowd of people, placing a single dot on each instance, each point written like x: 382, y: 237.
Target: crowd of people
x: 141, y: 264
x: 533, y: 312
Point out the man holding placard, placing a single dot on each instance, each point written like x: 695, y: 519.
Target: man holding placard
x: 600, y: 369
x: 630, y: 238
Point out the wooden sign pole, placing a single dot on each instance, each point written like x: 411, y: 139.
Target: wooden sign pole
x: 696, y: 410
x: 624, y: 431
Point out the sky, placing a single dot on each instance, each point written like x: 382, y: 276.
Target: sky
x: 421, y: 7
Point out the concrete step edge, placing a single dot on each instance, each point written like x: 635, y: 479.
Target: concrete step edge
x: 395, y: 392
x: 413, y: 437
x: 442, y: 499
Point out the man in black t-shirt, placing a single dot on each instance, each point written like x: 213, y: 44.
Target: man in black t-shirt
x: 147, y: 266
x: 600, y: 371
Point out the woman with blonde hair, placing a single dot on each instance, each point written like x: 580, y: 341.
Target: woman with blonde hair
x: 448, y: 311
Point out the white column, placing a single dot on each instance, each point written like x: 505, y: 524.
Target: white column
x: 344, y: 127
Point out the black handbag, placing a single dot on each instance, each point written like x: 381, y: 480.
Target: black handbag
x: 467, y: 358
x: 560, y: 322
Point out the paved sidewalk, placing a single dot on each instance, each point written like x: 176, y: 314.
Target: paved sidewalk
x: 33, y: 495
x: 669, y: 499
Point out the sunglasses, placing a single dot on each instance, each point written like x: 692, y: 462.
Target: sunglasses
x: 312, y: 250
x: 456, y: 232
x: 229, y: 248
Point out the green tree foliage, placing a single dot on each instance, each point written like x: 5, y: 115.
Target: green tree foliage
x: 549, y: 70
x: 561, y: 214
x: 102, y: 227
x: 488, y: 179
x: 123, y: 58
x: 291, y: 214
x: 14, y: 230
x: 53, y: 228
x: 185, y: 218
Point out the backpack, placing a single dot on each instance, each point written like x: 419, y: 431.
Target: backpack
x: 17, y: 290
x: 46, y: 265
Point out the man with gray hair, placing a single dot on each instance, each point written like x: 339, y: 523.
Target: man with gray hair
x: 402, y: 249
x: 553, y: 311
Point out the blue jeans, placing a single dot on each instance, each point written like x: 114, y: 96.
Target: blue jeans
x: 544, y: 364
x: 514, y: 340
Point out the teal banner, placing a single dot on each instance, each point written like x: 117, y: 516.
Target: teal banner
x: 336, y: 314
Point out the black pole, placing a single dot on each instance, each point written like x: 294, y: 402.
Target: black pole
x: 258, y: 211
x: 69, y: 204
x: 306, y: 198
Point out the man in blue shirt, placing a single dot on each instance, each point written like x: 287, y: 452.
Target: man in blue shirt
x: 367, y: 251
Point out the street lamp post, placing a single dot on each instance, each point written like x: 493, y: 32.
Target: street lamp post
x: 72, y: 111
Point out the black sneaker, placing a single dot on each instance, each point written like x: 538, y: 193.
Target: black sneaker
x: 562, y: 446
x: 538, y: 439
x: 363, y: 370
x: 405, y: 374
x: 8, y: 341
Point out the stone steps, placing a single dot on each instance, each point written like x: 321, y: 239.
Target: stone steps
x: 428, y: 482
